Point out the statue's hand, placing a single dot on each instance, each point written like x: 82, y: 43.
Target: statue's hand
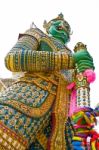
x: 82, y: 58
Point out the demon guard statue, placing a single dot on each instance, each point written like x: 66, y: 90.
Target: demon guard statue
x: 43, y: 109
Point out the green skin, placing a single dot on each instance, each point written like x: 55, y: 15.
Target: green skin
x: 58, y: 31
x: 83, y: 59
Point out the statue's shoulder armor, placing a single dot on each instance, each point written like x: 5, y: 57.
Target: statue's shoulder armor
x: 43, y: 39
x: 46, y: 43
x: 34, y: 32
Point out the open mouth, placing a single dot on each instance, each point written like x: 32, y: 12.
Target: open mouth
x: 59, y: 28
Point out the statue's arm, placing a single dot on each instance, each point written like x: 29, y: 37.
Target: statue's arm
x: 82, y: 58
x: 31, y: 61
x: 19, y: 55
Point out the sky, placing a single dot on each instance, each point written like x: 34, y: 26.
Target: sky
x: 83, y: 16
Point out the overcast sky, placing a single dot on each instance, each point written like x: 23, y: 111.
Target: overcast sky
x: 83, y: 16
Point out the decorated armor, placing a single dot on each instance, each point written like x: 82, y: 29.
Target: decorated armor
x: 34, y: 110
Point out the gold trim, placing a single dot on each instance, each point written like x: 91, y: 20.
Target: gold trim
x: 42, y: 140
x: 2, y: 148
x: 61, y: 113
x: 49, y: 42
x: 38, y: 80
x: 11, y: 62
x: 33, y: 112
x: 10, y: 140
x: 42, y: 61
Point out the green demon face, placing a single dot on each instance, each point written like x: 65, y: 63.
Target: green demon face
x: 59, y: 31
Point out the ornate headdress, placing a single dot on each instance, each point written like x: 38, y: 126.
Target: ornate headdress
x: 47, y: 25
